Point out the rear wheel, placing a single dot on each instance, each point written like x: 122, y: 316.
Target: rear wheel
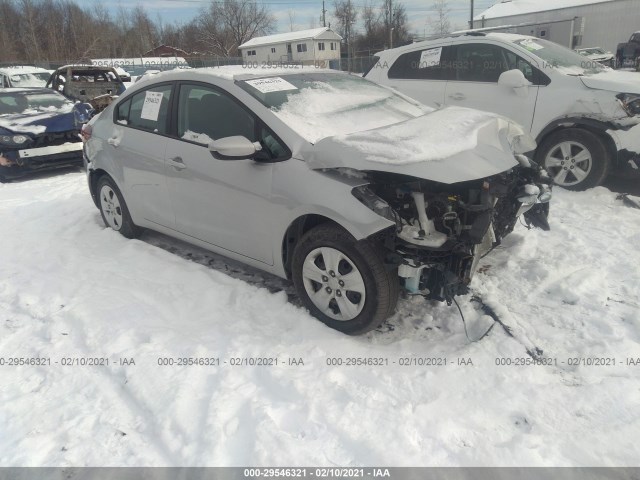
x: 113, y: 208
x: 576, y: 159
x: 343, y: 283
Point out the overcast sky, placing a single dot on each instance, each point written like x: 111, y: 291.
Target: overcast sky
x: 307, y: 12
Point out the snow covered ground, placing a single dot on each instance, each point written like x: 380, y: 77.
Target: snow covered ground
x: 70, y: 289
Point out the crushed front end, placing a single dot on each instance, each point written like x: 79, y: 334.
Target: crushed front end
x: 442, y: 231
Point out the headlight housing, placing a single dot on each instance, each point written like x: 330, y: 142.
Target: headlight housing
x: 14, y: 140
x: 374, y: 202
x: 630, y: 102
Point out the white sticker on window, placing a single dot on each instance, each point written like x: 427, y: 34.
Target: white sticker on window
x: 430, y: 58
x: 272, y: 84
x: 531, y: 45
x: 151, y: 107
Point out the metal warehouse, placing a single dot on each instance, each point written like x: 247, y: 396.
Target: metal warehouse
x: 573, y: 23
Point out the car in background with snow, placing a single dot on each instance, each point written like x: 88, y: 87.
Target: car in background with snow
x: 23, y: 76
x: 345, y: 187
x: 39, y: 129
x: 599, y: 55
x: 585, y: 117
x: 96, y: 85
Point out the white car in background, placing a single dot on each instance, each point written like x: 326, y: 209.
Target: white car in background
x: 584, y: 117
x: 599, y: 55
x: 23, y: 76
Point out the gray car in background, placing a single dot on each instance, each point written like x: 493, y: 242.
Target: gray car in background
x: 349, y: 189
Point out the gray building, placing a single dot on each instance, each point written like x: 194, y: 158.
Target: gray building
x: 316, y: 46
x: 573, y: 23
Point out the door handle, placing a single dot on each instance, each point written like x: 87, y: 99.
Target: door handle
x: 177, y: 163
x: 457, y: 96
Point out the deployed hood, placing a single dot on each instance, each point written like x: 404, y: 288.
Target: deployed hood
x: 614, y: 81
x: 448, y: 146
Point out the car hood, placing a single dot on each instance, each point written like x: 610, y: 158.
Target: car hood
x: 38, y: 123
x: 448, y: 146
x: 614, y: 81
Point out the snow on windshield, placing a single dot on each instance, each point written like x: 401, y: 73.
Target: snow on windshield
x: 435, y: 136
x: 325, y: 105
x: 561, y: 58
x: 27, y: 80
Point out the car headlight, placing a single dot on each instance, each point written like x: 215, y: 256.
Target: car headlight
x: 630, y: 102
x: 13, y: 139
x: 19, y: 139
x: 5, y: 139
x: 373, y: 202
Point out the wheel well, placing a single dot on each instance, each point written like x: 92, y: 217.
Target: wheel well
x: 94, y: 177
x: 607, y: 141
x: 296, y: 230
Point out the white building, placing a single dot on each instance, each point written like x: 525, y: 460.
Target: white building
x: 573, y: 23
x: 315, y: 46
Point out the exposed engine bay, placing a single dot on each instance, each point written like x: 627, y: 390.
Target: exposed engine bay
x: 441, y: 231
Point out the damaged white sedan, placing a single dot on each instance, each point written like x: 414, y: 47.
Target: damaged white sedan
x: 347, y: 188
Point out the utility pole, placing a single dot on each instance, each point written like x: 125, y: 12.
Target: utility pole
x: 390, y: 23
x: 471, y: 21
x: 324, y: 15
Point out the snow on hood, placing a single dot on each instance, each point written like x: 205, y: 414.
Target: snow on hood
x: 33, y: 121
x: 451, y: 145
x: 614, y: 81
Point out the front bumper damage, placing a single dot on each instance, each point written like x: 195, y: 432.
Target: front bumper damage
x: 16, y: 162
x: 442, y: 231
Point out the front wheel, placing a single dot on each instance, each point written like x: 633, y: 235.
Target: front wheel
x: 343, y: 283
x: 576, y: 159
x: 113, y: 209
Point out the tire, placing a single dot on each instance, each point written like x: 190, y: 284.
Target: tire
x: 566, y: 152
x: 113, y: 208
x: 375, y: 288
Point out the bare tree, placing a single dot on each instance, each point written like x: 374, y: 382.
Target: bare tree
x: 227, y: 25
x: 440, y: 24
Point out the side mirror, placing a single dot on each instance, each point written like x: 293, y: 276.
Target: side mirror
x: 234, y: 148
x: 514, y: 79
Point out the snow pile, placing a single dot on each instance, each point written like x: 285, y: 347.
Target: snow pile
x: 70, y: 288
x: 434, y: 136
x: 325, y: 111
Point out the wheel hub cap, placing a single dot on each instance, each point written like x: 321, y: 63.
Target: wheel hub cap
x: 569, y: 163
x: 111, y: 207
x: 333, y: 283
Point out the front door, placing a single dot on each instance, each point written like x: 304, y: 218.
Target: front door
x: 225, y: 203
x: 474, y: 83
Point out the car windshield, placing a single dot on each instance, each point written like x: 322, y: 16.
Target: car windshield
x: 591, y: 51
x: 319, y: 105
x: 29, y: 79
x: 559, y: 57
x: 26, y: 103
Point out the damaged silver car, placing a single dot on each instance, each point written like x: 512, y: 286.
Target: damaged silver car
x: 347, y: 188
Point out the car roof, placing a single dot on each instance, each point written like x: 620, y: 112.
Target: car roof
x: 467, y: 36
x: 234, y: 72
x: 22, y: 69
x: 87, y: 67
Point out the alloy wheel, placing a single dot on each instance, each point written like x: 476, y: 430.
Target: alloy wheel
x: 569, y: 163
x: 111, y: 207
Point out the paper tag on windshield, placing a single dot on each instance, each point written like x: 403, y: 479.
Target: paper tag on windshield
x: 151, y: 107
x: 531, y: 45
x: 272, y: 84
x: 430, y: 58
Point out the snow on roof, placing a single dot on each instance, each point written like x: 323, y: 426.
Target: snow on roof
x: 22, y: 69
x: 287, y: 37
x: 508, y: 8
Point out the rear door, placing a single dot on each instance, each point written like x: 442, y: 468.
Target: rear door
x: 138, y: 141
x: 474, y: 83
x: 422, y: 74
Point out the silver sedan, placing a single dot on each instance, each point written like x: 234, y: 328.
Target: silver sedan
x: 349, y: 189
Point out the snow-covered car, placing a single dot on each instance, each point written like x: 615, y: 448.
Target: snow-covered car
x: 23, y: 76
x: 97, y: 85
x: 39, y: 129
x: 346, y: 187
x: 599, y: 55
x: 585, y: 117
